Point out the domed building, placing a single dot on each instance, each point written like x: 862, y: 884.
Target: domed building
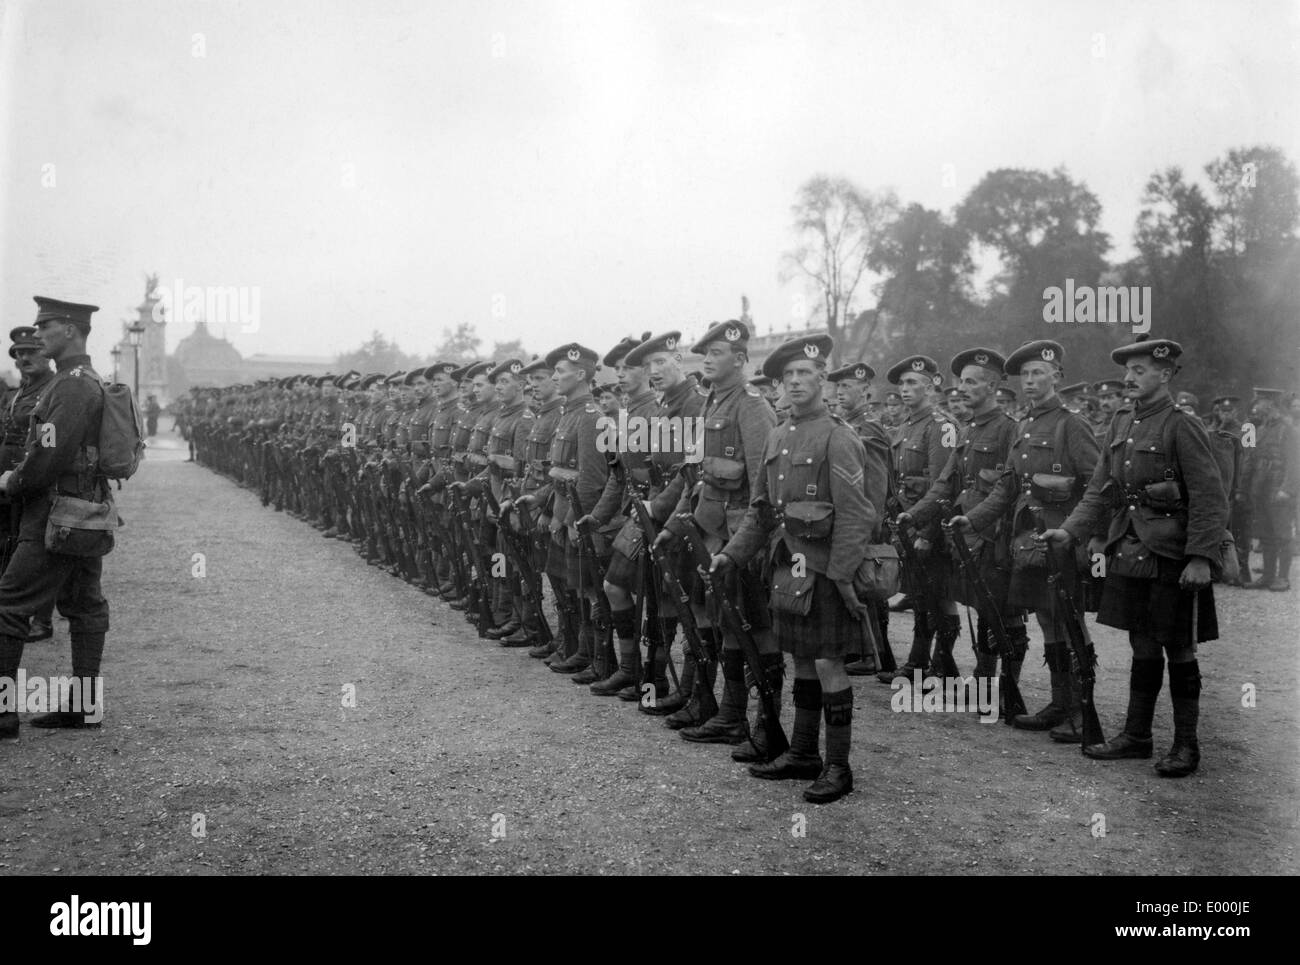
x: 203, y: 359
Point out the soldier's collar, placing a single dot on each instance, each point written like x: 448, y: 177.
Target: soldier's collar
x: 553, y: 402
x: 71, y: 362
x: 798, y: 419
x: 1044, y: 407
x: 919, y: 414
x: 646, y: 393
x: 1162, y: 401
x: 986, y: 418
x: 854, y: 413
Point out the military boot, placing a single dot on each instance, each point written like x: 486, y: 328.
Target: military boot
x: 1054, y: 712
x: 679, y: 697
x: 1070, y: 729
x: 942, y: 660
x: 1185, y: 693
x: 656, y: 675
x: 728, y: 725
x: 918, y: 658
x: 581, y: 659
x: 702, y: 705
x: 624, y: 675
x: 755, y: 748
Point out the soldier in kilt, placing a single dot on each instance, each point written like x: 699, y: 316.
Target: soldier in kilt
x: 977, y: 462
x: 1050, y: 463
x: 1160, y: 494
x: 810, y: 512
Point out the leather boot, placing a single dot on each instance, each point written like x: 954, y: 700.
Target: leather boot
x: 726, y: 724
x: 1054, y: 712
x: 918, y: 658
x: 657, y: 675
x: 755, y: 748
x: 1185, y: 693
x: 835, y: 782
x: 1144, y: 680
x: 679, y: 697
x: 1070, y: 730
x: 945, y: 640
x: 581, y: 659
x: 624, y: 676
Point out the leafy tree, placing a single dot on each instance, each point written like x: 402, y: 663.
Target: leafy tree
x: 377, y: 354
x: 459, y: 345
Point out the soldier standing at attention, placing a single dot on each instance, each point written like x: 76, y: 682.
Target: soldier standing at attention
x: 919, y: 455
x: 852, y: 387
x: 1110, y: 399
x: 737, y: 420
x: 71, y: 408
x: 1271, y: 482
x: 809, y: 503
x: 977, y: 462
x: 1050, y: 463
x: 1163, y: 541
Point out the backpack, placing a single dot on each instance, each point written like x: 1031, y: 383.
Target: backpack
x: 121, y: 433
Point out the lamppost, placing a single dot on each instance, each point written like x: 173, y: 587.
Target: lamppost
x: 117, y: 358
x: 134, y: 332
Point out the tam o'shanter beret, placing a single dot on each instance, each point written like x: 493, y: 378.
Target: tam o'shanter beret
x: 733, y: 332
x: 474, y: 370
x: 440, y: 368
x: 1165, y: 349
x: 985, y: 358
x: 619, y: 352
x: 860, y: 371
x: 54, y: 310
x: 573, y: 352
x: 814, y: 347
x: 508, y: 367
x: 921, y: 364
x: 667, y: 342
x: 1041, y: 350
x: 538, y: 364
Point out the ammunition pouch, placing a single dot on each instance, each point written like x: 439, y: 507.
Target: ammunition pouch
x: 728, y: 475
x: 792, y: 594
x: 809, y: 520
x: 1050, y: 488
x: 1132, y: 559
x: 879, y: 574
x: 1165, y: 496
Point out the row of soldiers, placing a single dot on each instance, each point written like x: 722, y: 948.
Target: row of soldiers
x: 750, y: 527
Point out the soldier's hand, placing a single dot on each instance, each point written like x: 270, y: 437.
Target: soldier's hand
x: 857, y: 609
x: 426, y: 488
x: 904, y: 519
x: 526, y: 501
x: 507, y: 507
x: 5, y: 477
x: 1096, y: 544
x: 720, y: 563
x: 922, y: 545
x: 958, y: 523
x: 1058, y: 536
x: 1196, y: 574
x: 664, y: 540
x: 1281, y: 496
x: 586, y: 522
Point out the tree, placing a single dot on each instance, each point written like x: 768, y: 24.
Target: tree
x: 925, y: 264
x: 377, y: 354
x: 1044, y: 228
x: 1259, y: 197
x: 514, y: 349
x: 836, y: 225
x: 460, y: 345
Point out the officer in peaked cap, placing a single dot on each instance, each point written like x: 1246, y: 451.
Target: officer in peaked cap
x: 58, y: 463
x: 811, y: 517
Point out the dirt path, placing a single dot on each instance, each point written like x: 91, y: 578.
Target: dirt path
x: 225, y: 700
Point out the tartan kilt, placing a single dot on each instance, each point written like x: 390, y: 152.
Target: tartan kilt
x: 995, y: 569
x: 557, y: 556
x: 1159, y: 608
x: 583, y: 574
x: 938, y: 564
x: 622, y: 571
x: 747, y: 587
x: 828, y: 630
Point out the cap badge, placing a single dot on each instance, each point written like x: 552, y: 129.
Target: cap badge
x: 860, y: 372
x: 670, y: 343
x: 574, y: 355
x: 810, y: 350
x: 732, y: 334
x: 1049, y: 355
x: 981, y: 359
x: 918, y: 365
x: 515, y: 367
x: 1160, y: 351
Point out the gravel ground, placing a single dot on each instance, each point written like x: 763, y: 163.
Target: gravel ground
x: 225, y: 699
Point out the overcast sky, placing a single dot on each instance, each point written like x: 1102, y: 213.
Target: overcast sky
x: 565, y: 170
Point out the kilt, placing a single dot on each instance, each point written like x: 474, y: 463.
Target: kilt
x: 1159, y: 608
x: 581, y: 573
x: 828, y: 630
x: 556, y: 556
x: 938, y: 565
x: 995, y: 569
x: 622, y: 571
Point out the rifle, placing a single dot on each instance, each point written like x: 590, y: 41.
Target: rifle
x: 530, y: 581
x: 446, y: 541
x: 685, y: 615
x: 904, y: 539
x: 648, y: 604
x: 989, y: 609
x: 1083, y: 656
x: 736, y: 624
x: 600, y: 608
x: 478, y: 588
